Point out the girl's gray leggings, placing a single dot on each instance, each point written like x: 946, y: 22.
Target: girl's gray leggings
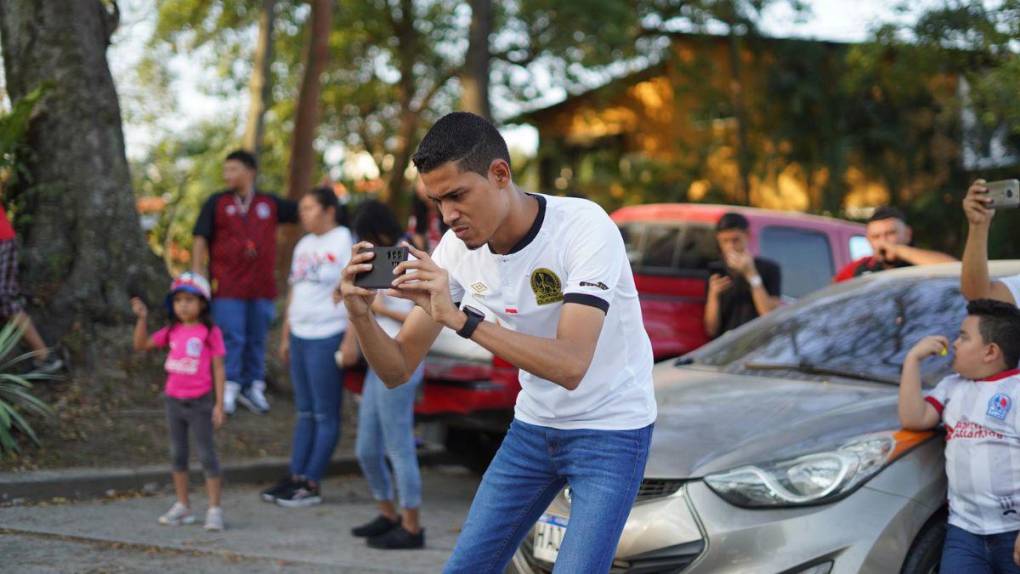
x: 195, y: 415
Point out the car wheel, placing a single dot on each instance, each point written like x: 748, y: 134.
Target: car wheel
x: 926, y: 551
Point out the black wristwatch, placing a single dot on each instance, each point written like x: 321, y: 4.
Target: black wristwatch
x: 474, y: 317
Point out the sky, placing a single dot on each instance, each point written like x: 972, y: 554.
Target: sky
x: 839, y: 20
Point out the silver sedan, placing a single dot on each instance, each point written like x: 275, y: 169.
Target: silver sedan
x: 778, y: 447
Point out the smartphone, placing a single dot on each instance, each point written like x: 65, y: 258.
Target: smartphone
x: 381, y: 276
x: 1004, y: 194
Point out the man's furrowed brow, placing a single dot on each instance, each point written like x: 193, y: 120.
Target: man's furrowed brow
x: 447, y: 194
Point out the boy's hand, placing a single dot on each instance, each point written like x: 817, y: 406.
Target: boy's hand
x: 975, y: 204
x: 929, y: 346
x: 1016, y: 551
x: 741, y: 262
x: 717, y: 284
x: 138, y: 308
x: 217, y: 416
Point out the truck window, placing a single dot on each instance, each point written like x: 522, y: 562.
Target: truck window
x: 804, y: 256
x: 670, y: 248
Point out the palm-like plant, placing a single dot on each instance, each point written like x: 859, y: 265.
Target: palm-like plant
x: 16, y: 398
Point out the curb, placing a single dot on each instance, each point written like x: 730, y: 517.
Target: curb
x: 75, y: 484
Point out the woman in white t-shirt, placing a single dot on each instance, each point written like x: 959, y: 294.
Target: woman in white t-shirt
x: 313, y: 328
x: 386, y: 416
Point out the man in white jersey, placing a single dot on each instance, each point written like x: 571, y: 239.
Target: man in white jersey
x: 555, y: 297
x: 974, y: 280
x: 978, y: 406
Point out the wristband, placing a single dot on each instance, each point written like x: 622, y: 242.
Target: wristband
x: 755, y: 281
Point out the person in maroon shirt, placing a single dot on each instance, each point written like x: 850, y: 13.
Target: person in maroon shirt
x: 236, y: 234
x: 890, y: 236
x: 43, y: 360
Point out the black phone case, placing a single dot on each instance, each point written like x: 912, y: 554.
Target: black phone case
x: 381, y: 276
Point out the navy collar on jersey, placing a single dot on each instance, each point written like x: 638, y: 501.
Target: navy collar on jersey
x: 535, y: 227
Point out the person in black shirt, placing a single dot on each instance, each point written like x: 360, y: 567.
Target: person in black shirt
x: 745, y: 287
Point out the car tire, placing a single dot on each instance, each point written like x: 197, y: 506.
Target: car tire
x: 926, y: 551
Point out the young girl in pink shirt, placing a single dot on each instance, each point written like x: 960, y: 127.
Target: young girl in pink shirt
x: 194, y: 389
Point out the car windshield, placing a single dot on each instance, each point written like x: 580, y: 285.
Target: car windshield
x: 859, y: 330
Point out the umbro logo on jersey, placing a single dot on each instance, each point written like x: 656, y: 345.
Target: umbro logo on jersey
x: 479, y: 288
x: 600, y: 285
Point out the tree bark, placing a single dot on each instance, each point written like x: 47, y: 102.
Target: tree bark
x: 260, y: 87
x: 407, y: 49
x: 83, y: 253
x: 474, y: 81
x: 306, y: 122
x: 740, y: 114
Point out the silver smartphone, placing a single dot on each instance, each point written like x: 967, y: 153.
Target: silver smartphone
x: 1004, y: 194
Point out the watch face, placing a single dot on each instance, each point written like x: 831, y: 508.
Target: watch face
x: 472, y: 311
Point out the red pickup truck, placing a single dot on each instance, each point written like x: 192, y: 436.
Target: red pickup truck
x: 468, y: 396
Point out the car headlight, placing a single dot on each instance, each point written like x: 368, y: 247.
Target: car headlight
x: 814, y: 478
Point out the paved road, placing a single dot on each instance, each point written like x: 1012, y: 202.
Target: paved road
x: 123, y: 535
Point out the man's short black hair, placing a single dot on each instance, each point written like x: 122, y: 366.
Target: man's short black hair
x: 999, y: 323
x: 469, y: 140
x: 245, y: 157
x: 887, y: 212
x: 732, y: 220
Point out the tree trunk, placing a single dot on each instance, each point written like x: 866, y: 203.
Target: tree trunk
x: 306, y: 121
x: 740, y: 113
x: 260, y: 87
x: 83, y: 252
x: 407, y: 39
x: 474, y: 81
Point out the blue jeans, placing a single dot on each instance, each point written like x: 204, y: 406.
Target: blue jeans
x: 966, y: 553
x: 602, y: 468
x: 318, y: 388
x: 245, y: 324
x: 386, y: 429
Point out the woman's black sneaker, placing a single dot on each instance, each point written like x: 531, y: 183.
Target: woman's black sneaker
x: 381, y: 525
x: 398, y: 539
x: 281, y: 488
x: 304, y: 494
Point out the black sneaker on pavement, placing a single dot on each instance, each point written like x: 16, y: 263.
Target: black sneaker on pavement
x: 303, y: 494
x: 281, y: 488
x: 398, y: 539
x: 381, y: 525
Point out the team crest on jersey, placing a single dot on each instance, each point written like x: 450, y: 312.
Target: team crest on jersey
x: 999, y: 406
x: 547, y: 286
x: 262, y: 210
x: 231, y: 210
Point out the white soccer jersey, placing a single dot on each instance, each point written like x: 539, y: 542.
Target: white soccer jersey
x: 982, y: 450
x: 1013, y: 284
x: 574, y: 253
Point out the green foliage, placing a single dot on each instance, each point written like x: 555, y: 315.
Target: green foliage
x: 16, y: 398
x: 14, y: 153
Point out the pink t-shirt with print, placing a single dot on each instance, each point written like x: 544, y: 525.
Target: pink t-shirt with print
x: 189, y: 363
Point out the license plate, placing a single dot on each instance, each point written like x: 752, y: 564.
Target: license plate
x: 549, y: 531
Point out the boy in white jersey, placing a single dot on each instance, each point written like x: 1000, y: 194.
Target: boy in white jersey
x: 551, y: 275
x: 977, y: 405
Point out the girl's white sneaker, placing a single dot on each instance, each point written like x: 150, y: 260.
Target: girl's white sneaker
x: 214, y: 518
x: 177, y: 515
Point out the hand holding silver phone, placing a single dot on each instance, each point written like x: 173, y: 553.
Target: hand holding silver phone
x: 1004, y: 194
